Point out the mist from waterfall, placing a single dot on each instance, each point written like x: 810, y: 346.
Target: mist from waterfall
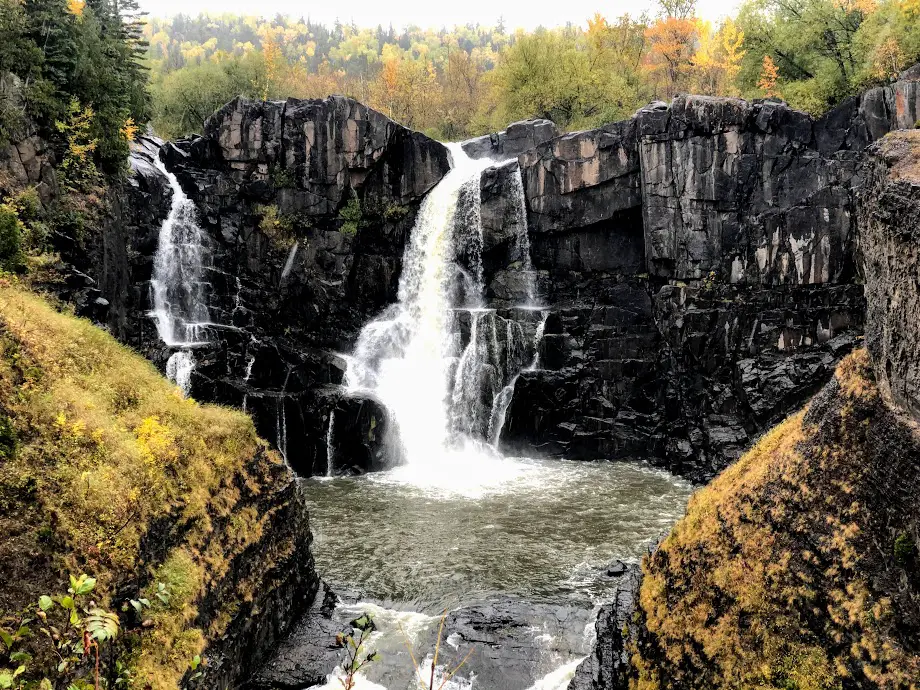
x: 180, y: 291
x: 440, y: 394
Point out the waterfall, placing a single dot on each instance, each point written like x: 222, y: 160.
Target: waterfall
x: 180, y: 291
x: 405, y: 357
x: 179, y: 368
x: 441, y: 389
x: 290, y: 261
x: 503, y: 399
x: 330, y: 448
x: 522, y: 238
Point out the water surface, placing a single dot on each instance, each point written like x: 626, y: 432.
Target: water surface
x: 481, y: 527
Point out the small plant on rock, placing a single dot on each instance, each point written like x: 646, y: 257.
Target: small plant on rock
x: 356, y: 659
x: 71, y: 627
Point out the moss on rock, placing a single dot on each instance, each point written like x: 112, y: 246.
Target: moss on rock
x: 116, y: 474
x: 783, y: 574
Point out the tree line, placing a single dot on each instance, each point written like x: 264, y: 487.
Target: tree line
x: 467, y: 80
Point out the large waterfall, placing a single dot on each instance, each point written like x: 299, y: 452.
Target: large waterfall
x: 438, y: 359
x: 179, y: 287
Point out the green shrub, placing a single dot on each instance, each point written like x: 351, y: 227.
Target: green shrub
x: 282, y: 178
x: 11, y: 231
x: 904, y: 549
x: 351, y: 213
x: 394, y: 212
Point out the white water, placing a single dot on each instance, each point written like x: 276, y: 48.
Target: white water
x: 179, y: 368
x: 522, y: 238
x: 406, y: 356
x: 180, y: 291
x: 503, y: 399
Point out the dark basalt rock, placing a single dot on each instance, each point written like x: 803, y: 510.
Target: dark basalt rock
x: 510, y: 143
x: 890, y: 242
x: 340, y: 185
x: 607, y: 667
x: 697, y: 258
x: 358, y: 435
x: 515, y: 643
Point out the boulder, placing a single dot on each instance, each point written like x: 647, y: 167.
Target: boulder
x: 511, y: 142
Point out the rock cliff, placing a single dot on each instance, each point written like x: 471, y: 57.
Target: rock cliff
x: 696, y: 260
x: 798, y: 565
x: 700, y: 262
x: 105, y: 470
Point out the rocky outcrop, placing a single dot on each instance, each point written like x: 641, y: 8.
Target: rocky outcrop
x: 180, y: 497
x: 511, y: 142
x: 890, y: 244
x: 307, y: 205
x: 797, y: 565
x: 699, y: 260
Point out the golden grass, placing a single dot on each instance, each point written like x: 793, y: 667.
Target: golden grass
x: 108, y: 449
x: 765, y: 582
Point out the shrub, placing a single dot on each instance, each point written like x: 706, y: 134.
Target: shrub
x: 282, y: 178
x: 904, y: 549
x: 11, y: 231
x: 351, y: 213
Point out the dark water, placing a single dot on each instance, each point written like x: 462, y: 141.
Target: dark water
x: 537, y: 529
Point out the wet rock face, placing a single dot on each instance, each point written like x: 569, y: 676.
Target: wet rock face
x: 512, y: 142
x: 890, y: 242
x: 700, y: 261
x: 697, y: 260
x: 307, y: 206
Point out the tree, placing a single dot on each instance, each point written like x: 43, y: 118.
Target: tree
x: 672, y: 44
x: 769, y: 75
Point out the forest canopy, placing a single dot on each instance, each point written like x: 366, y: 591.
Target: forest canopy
x: 467, y: 80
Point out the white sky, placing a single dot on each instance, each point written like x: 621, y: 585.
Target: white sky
x: 432, y: 13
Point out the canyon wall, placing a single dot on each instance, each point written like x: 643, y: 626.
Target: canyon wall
x: 800, y: 564
x: 696, y: 260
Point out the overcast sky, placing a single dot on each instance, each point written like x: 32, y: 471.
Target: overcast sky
x: 432, y: 13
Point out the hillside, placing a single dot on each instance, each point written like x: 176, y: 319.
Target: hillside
x: 797, y: 567
x: 105, y: 469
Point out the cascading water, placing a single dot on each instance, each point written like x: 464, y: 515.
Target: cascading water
x: 522, y: 237
x: 503, y: 399
x: 180, y: 291
x: 406, y: 356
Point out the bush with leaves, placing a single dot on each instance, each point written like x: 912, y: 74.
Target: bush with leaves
x: 11, y: 239
x: 70, y: 628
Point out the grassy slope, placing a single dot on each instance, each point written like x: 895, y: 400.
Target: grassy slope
x: 115, y: 474
x: 785, y: 571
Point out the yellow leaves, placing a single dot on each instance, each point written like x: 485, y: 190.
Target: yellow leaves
x: 888, y: 58
x: 129, y: 130
x: 769, y: 75
x: 157, y: 442
x: 76, y: 7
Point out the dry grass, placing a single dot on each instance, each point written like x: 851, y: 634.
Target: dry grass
x: 775, y: 579
x: 119, y: 476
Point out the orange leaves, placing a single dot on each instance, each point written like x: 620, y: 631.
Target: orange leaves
x: 769, y: 75
x: 76, y: 7
x: 672, y: 42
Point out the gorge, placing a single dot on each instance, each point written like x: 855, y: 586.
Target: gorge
x: 434, y: 337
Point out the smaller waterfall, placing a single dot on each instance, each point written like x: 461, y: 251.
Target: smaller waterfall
x: 281, y: 420
x: 289, y: 264
x: 503, y: 400
x: 537, y: 341
x: 522, y: 238
x: 180, y: 291
x: 179, y: 369
x: 330, y: 448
